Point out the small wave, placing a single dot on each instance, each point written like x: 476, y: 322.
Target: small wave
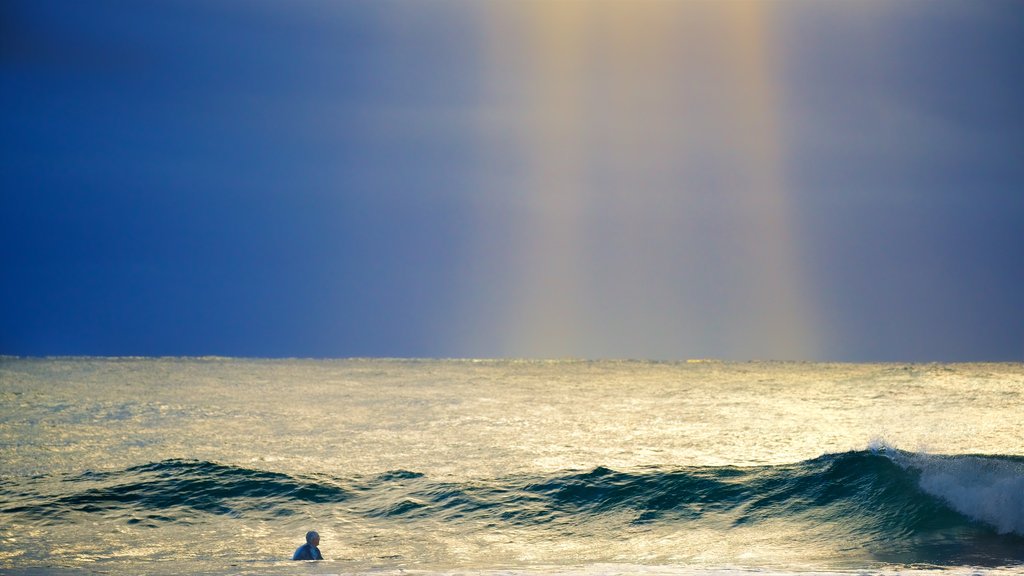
x: 184, y: 487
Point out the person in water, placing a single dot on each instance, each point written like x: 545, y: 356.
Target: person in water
x: 309, y: 550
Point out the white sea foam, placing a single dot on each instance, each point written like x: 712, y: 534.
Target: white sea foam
x: 986, y: 489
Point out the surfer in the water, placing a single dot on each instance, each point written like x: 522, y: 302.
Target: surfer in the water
x: 309, y: 550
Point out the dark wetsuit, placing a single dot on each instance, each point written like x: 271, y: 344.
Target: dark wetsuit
x: 307, y: 552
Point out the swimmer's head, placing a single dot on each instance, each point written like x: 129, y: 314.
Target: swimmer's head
x: 312, y: 538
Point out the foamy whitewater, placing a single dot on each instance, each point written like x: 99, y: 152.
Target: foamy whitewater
x: 510, y: 468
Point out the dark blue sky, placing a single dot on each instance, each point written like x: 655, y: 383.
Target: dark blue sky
x: 382, y: 179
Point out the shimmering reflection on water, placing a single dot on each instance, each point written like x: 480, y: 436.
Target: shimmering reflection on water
x: 341, y: 423
x: 488, y: 418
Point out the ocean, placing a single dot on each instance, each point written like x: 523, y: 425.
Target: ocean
x: 510, y: 467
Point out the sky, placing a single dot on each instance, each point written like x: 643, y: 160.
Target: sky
x: 784, y: 180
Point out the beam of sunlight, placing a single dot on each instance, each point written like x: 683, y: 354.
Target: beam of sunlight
x: 639, y: 162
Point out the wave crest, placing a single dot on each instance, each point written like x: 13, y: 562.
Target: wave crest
x: 984, y: 488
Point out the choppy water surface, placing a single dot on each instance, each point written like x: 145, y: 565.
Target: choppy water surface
x: 554, y: 467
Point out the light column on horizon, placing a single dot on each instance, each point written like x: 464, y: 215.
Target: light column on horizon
x: 548, y: 310
x: 652, y: 214
x: 785, y: 310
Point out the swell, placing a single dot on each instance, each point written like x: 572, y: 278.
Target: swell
x: 891, y: 502
x: 175, y: 490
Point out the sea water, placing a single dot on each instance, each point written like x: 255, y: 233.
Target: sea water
x: 510, y: 468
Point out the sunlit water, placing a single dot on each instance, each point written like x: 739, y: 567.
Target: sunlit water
x: 510, y: 467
